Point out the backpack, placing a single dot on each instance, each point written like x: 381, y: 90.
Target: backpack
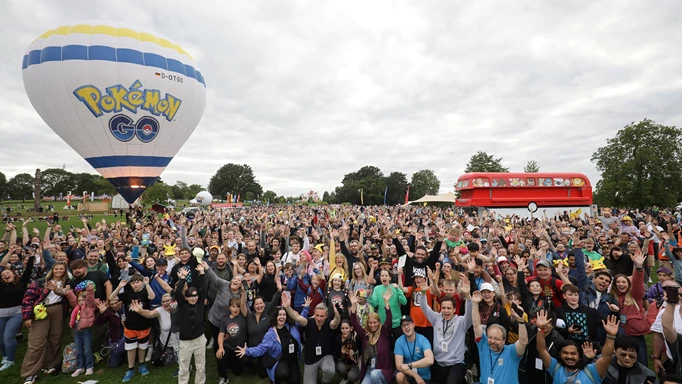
x: 162, y: 354
x: 69, y: 359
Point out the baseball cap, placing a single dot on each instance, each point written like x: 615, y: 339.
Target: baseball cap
x: 502, y: 259
x: 337, y: 276
x: 664, y: 270
x: 543, y: 263
x: 406, y: 319
x: 373, y: 246
x: 384, y: 260
x: 418, y: 272
x: 162, y: 261
x: 487, y: 287
x: 361, y: 293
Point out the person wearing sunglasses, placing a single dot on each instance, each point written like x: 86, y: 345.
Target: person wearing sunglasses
x: 626, y: 364
x: 191, y: 320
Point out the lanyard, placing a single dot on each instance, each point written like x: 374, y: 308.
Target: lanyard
x: 414, y: 346
x: 492, y: 366
x: 446, y: 325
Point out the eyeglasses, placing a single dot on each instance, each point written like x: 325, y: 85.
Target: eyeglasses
x: 631, y: 356
x: 496, y: 339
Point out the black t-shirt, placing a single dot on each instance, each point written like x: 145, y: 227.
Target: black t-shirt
x: 267, y: 287
x: 235, y: 331
x: 98, y: 278
x: 289, y: 344
x: 133, y: 320
x: 192, y: 279
x: 315, y: 337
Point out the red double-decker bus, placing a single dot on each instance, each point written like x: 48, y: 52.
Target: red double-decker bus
x: 518, y: 190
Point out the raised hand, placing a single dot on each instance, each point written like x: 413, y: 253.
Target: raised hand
x: 611, y: 325
x: 588, y: 350
x: 182, y: 273
x: 353, y: 298
x: 145, y: 280
x: 464, y: 286
x: 542, y: 320
x: 200, y: 268
x: 638, y: 259
x: 476, y: 297
x: 307, y: 301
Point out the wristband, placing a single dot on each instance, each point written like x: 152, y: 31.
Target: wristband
x: 541, y: 330
x: 611, y: 337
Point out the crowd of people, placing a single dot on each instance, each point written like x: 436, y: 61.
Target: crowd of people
x: 405, y: 294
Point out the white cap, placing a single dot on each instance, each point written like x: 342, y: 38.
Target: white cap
x: 486, y: 286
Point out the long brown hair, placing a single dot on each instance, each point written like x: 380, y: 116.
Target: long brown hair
x: 373, y: 337
x: 64, y: 278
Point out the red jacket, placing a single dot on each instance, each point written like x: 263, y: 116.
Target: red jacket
x: 87, y: 312
x: 636, y: 323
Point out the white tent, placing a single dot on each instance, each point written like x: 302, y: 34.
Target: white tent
x: 444, y: 198
x: 118, y: 202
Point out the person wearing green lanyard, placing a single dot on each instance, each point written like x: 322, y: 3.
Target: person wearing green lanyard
x: 499, y: 363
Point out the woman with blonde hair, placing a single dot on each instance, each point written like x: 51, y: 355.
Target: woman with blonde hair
x: 376, y: 359
x: 630, y: 301
x: 360, y: 279
x: 43, y: 312
x: 337, y: 261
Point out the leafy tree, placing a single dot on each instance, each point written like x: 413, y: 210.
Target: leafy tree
x: 325, y: 196
x: 192, y: 191
x: 56, y: 180
x: 92, y: 183
x: 234, y: 179
x: 424, y: 182
x: 483, y: 162
x: 269, y: 195
x: 531, y: 167
x: 397, y: 185
x: 158, y: 193
x: 249, y: 196
x: 641, y: 166
x: 21, y: 186
x: 3, y: 186
x: 179, y: 190
x: 369, y: 180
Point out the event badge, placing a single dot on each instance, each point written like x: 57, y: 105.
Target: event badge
x: 491, y: 380
x: 538, y: 364
x: 291, y: 348
x: 318, y: 351
x: 444, y: 346
x: 372, y: 363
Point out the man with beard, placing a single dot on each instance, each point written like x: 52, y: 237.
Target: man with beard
x: 79, y: 252
x: 213, y: 252
x: 189, y: 264
x: 499, y: 363
x: 222, y: 269
x: 352, y: 252
x: 94, y: 263
x: 625, y: 365
x: 597, y: 297
x: 252, y: 251
x: 81, y: 278
x: 419, y: 259
x: 568, y: 367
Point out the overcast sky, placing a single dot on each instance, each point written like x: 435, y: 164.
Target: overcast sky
x: 308, y: 91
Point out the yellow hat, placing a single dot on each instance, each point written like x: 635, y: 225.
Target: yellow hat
x: 320, y: 247
x: 169, y: 250
x: 598, y: 264
x: 557, y: 262
x: 626, y: 218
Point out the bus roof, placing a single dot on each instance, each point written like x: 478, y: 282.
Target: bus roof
x: 508, y: 176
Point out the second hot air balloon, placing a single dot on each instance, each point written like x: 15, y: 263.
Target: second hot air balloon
x: 125, y: 98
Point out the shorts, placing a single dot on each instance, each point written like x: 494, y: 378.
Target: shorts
x: 136, y: 339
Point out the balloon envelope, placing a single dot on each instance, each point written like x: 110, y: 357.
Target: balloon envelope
x: 125, y: 98
x: 204, y: 198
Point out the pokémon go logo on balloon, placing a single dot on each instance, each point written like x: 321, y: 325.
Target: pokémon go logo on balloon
x: 118, y: 97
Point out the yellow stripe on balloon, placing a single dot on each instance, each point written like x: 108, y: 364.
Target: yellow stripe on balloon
x: 114, y: 32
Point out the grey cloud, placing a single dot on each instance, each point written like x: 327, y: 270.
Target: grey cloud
x: 306, y: 92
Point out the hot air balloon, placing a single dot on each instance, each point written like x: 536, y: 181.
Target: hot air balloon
x: 125, y: 98
x: 204, y: 198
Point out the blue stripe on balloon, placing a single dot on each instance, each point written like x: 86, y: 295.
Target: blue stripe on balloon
x: 128, y: 161
x: 123, y: 186
x: 104, y: 53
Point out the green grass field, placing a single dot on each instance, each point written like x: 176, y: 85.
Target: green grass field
x: 106, y: 375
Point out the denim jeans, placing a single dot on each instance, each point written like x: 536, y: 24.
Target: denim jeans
x: 374, y: 376
x: 84, y: 356
x: 9, y: 326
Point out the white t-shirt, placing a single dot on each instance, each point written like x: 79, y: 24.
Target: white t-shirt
x: 164, y: 324
x: 53, y: 298
x: 657, y: 326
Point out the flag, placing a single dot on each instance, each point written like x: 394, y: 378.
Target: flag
x: 238, y: 196
x: 362, y: 200
x: 385, y: 193
x: 407, y: 195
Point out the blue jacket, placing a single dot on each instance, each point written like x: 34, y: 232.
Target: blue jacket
x: 589, y: 295
x: 579, y: 271
x: 298, y: 293
x: 272, y: 347
x: 156, y: 287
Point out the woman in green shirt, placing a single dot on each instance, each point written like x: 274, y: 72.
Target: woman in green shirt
x: 397, y: 299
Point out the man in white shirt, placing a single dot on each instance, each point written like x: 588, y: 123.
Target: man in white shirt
x: 657, y: 331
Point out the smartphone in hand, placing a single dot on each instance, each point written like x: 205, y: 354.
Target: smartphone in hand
x: 672, y: 295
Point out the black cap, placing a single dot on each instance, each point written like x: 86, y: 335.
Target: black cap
x: 162, y: 261
x: 384, y: 260
x: 406, y: 319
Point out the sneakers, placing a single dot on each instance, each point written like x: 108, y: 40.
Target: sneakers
x: 6, y: 364
x: 77, y: 372
x: 4, y: 360
x: 469, y: 377
x: 148, y: 358
x: 49, y: 371
x: 129, y: 376
x: 31, y: 379
x: 144, y: 371
x: 89, y: 371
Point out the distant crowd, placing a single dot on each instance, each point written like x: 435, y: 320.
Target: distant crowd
x: 356, y: 294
